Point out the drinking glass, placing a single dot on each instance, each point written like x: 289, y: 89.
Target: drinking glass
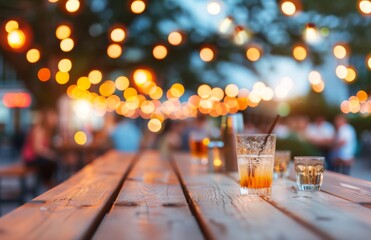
x: 281, y: 164
x: 255, y: 158
x: 309, y: 172
x: 198, y: 142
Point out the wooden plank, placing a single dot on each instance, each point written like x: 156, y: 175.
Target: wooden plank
x: 151, y: 204
x: 226, y: 214
x: 350, y: 188
x: 72, y: 209
x: 331, y: 215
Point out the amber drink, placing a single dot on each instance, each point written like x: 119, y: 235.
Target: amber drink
x: 255, y: 158
x: 198, y: 146
x: 309, y: 172
x: 281, y: 164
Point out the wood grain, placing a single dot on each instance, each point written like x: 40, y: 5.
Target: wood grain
x: 331, y: 216
x: 72, y: 209
x: 228, y: 215
x: 151, y: 204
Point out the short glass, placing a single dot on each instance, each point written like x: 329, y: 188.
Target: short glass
x: 198, y: 143
x: 281, y: 164
x: 309, y: 172
x: 255, y: 158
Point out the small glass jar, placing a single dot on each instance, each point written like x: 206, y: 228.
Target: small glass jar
x: 216, y: 156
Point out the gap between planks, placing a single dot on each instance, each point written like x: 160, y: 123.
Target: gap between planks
x: 111, y: 200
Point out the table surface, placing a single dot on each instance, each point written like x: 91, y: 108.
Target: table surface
x: 142, y: 196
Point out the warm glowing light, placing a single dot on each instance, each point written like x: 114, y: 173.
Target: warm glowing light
x: 217, y: 94
x: 62, y: 77
x: 311, y: 34
x: 72, y: 5
x: 299, y: 52
x: 83, y: 83
x: 344, y: 107
x: 122, y: 83
x: 80, y: 138
x: 159, y: 52
x: 362, y: 96
x: 107, y: 88
x: 267, y: 94
x: 204, y: 91
x: 258, y: 86
x: 138, y: 6
x: 351, y: 74
x: 114, y: 51
x: 11, y: 26
x: 341, y: 71
x: 177, y: 90
x: 231, y: 90
x: 368, y: 61
x: 288, y: 8
x: 175, y: 38
x: 340, y: 51
x: 253, y: 54
x: 241, y: 36
x: 147, y: 107
x: 154, y: 125
x: 118, y: 35
x: 129, y: 93
x: 314, y: 77
x: 213, y: 8
x: 17, y: 100
x: 226, y: 26
x: 16, y: 39
x: 281, y: 92
x: 33, y: 55
x: 254, y: 97
x: 95, y: 76
x: 142, y: 76
x: 155, y: 92
x: 43, y: 74
x: 365, y: 6
x: 318, y: 88
x: 65, y: 65
x: 63, y: 32
x: 206, y: 54
x: 287, y: 83
x: 67, y: 44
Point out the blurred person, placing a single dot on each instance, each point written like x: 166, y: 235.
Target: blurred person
x: 344, y: 146
x: 321, y: 133
x: 37, y: 151
x: 125, y: 135
x: 171, y: 139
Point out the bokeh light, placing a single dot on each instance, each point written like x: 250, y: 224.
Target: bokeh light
x: 288, y: 8
x: 16, y: 39
x: 156, y: 92
x: 351, y: 74
x: 226, y: 26
x: 362, y: 96
x: 44, y: 74
x: 231, y: 90
x: 159, y: 52
x: 95, y: 76
x: 253, y: 54
x: 368, y: 61
x: 299, y: 52
x: 33, y: 55
x: 118, y: 35
x: 11, y: 25
x: 142, y: 76
x: 65, y: 65
x: 138, y: 6
x: 154, y: 125
x: 67, y: 44
x: 340, y: 51
x: 83, y: 83
x: 213, y: 8
x: 204, y: 91
x: 207, y: 54
x: 62, y: 77
x: 122, y: 83
x: 72, y: 5
x: 80, y: 138
x: 107, y: 88
x: 114, y: 50
x: 63, y: 32
x: 341, y: 71
x: 314, y: 77
x: 365, y: 6
x: 241, y: 35
x: 175, y: 38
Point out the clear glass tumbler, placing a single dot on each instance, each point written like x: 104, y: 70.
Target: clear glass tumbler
x: 309, y: 172
x: 255, y: 158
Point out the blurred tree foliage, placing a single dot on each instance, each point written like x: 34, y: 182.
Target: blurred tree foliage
x: 273, y: 31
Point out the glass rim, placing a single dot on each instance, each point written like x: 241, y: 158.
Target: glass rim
x: 309, y: 157
x: 254, y: 134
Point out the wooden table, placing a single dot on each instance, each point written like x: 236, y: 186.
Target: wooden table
x: 126, y: 196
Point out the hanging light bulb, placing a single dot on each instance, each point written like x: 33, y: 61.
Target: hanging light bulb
x: 311, y: 34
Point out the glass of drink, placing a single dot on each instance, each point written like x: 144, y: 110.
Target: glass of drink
x: 281, y: 164
x: 255, y: 158
x: 309, y: 172
x: 198, y: 143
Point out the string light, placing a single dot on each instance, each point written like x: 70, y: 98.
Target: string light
x: 213, y: 8
x: 114, y: 50
x: 365, y: 6
x: 33, y: 55
x: 67, y: 45
x: 159, y: 52
x: 288, y: 8
x: 299, y: 52
x: 11, y: 25
x: 340, y: 51
x: 175, y: 38
x: 43, y: 74
x: 253, y: 54
x: 137, y: 6
x: 118, y: 35
x: 72, y: 6
x: 16, y: 39
x: 207, y: 54
x: 65, y: 65
x: 63, y: 32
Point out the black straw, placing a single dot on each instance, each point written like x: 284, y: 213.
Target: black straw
x: 269, y: 133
